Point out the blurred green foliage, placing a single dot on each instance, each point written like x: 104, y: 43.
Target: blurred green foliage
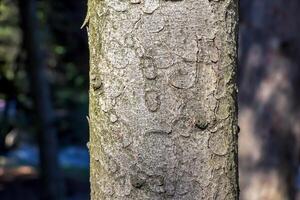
x: 64, y: 47
x: 10, y: 38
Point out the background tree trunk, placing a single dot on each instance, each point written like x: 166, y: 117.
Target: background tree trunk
x: 163, y: 111
x: 269, y: 99
x: 49, y: 166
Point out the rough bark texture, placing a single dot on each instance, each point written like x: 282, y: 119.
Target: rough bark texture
x: 163, y: 99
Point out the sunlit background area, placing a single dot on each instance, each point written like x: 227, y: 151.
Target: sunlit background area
x: 44, y: 68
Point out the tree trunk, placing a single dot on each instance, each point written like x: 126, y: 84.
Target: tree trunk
x: 163, y: 121
x: 269, y: 99
x: 49, y: 166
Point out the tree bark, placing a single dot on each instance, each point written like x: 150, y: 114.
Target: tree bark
x: 163, y: 116
x: 47, y: 138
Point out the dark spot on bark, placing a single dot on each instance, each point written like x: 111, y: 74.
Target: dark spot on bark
x: 160, y: 132
x: 96, y: 83
x: 137, y: 181
x: 202, y: 125
x: 97, y: 86
x: 238, y: 129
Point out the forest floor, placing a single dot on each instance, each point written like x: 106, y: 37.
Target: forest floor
x: 19, y: 176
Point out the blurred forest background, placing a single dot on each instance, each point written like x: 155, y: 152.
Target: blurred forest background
x: 269, y: 108
x: 44, y: 100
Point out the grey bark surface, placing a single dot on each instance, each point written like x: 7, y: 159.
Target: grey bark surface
x: 163, y: 111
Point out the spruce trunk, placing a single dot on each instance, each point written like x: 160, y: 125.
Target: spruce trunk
x: 163, y: 115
